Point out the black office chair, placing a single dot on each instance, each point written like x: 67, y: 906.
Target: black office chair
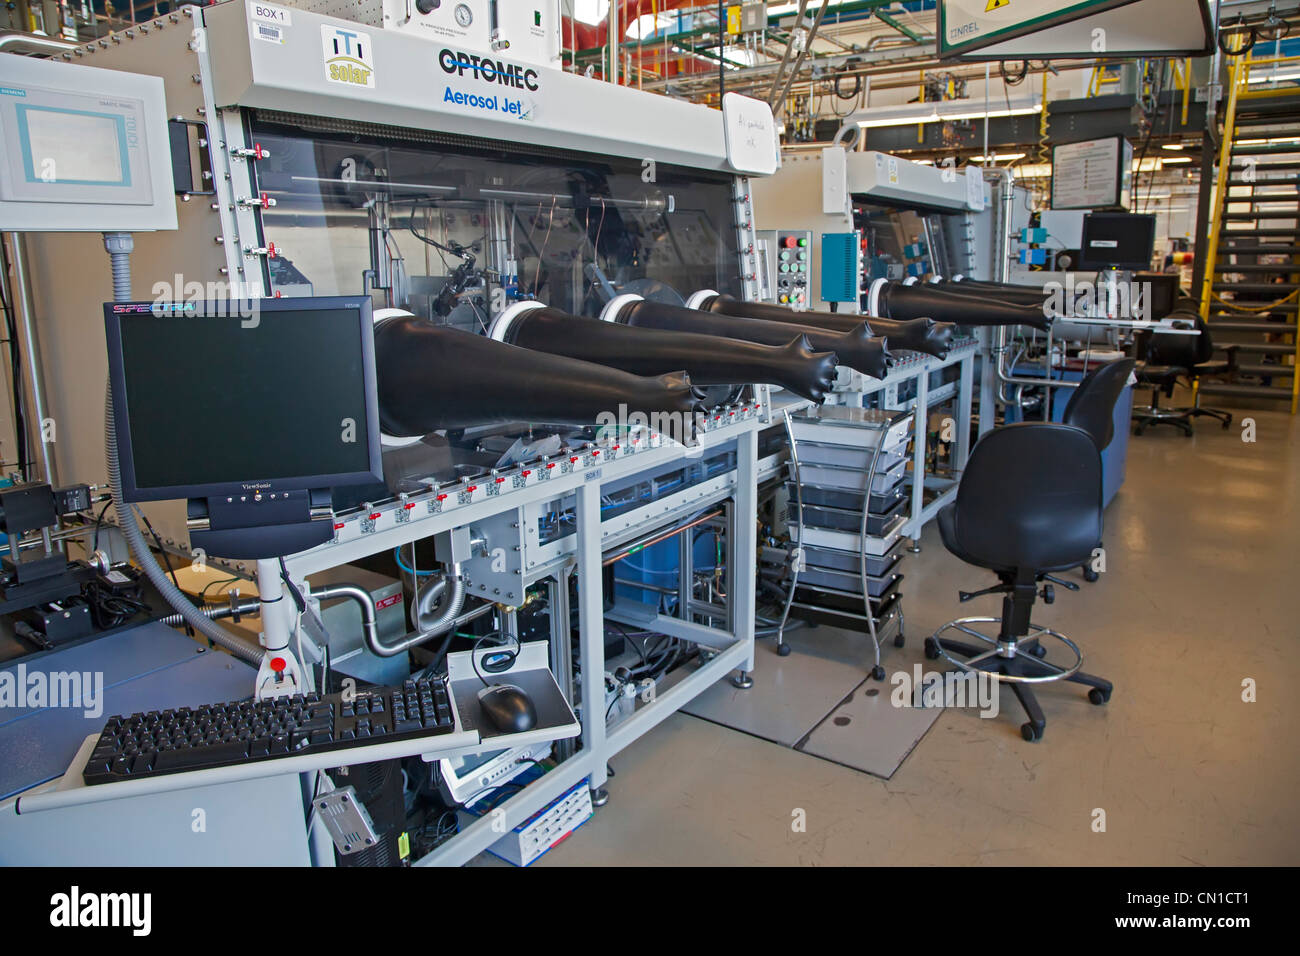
x: 1029, y: 503
x: 1092, y: 406
x: 1168, y: 358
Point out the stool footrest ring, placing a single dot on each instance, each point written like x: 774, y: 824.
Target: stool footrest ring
x: 1022, y: 648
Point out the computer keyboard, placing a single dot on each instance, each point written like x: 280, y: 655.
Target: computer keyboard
x: 219, y: 735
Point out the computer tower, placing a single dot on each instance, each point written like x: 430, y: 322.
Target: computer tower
x: 379, y: 789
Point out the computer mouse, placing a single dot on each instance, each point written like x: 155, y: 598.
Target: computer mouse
x: 508, y: 707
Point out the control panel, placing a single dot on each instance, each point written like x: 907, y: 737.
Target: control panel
x: 82, y: 149
x: 514, y: 31
x: 791, y: 260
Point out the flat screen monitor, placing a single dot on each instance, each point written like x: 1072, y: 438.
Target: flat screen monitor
x: 246, y: 400
x: 1117, y: 240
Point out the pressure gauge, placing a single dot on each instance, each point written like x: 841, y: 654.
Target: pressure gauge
x: 464, y: 15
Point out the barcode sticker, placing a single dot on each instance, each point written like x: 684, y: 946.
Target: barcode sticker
x: 270, y: 33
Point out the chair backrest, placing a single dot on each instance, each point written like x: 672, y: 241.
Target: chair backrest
x: 1184, y: 351
x: 1092, y: 406
x: 1030, y: 497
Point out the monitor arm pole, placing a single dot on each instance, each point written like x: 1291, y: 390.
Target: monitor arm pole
x: 119, y: 246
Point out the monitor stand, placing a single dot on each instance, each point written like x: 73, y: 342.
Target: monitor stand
x: 260, y: 523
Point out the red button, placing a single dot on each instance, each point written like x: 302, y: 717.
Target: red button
x: 278, y: 664
x: 499, y: 480
x: 595, y: 454
x: 525, y: 473
x: 339, y: 526
x: 442, y: 497
x: 572, y: 460
x: 472, y: 488
x: 550, y: 464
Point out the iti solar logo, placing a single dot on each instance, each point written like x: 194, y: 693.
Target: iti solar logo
x: 349, y: 56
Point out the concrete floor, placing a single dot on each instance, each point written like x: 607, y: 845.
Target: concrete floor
x: 1201, y: 592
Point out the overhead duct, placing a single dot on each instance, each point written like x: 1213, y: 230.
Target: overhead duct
x: 431, y: 377
x: 706, y: 359
x: 919, y: 335
x: 857, y: 349
x: 899, y: 301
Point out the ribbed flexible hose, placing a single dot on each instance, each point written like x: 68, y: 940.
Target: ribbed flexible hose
x: 215, y: 612
x: 119, y: 249
x: 430, y: 594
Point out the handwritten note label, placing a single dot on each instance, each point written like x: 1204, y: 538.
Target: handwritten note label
x: 751, y: 134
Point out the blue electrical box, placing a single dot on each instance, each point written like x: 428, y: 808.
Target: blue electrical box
x: 841, y: 253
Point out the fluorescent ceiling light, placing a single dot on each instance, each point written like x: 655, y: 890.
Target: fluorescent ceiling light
x: 1173, y: 146
x: 1176, y: 159
x: 999, y: 158
x: 945, y: 112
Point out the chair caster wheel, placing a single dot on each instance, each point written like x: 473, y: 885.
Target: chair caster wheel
x: 931, y: 649
x: 1098, y: 696
x: 1030, y: 732
x: 899, y: 640
x: 1091, y: 576
x: 783, y: 650
x: 1039, y: 651
x: 878, y: 672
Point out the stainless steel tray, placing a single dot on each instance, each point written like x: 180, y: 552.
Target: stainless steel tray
x: 839, y: 498
x: 849, y: 583
x: 852, y: 479
x: 845, y: 456
x: 851, y: 561
x: 850, y: 541
x: 845, y: 519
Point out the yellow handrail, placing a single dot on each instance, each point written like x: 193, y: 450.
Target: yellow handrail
x: 1264, y: 93
x: 1239, y: 88
x: 1219, y: 204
